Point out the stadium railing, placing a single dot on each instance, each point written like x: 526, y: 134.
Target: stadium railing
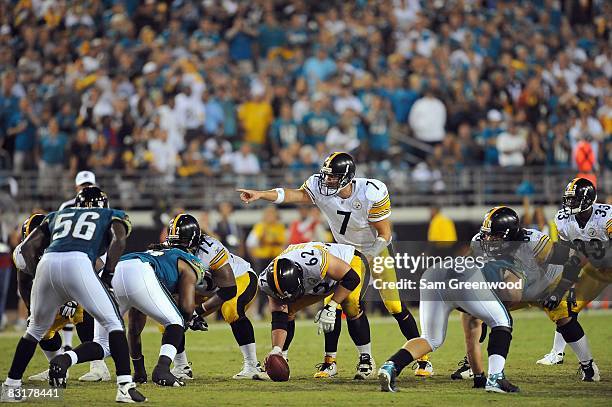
x: 143, y: 190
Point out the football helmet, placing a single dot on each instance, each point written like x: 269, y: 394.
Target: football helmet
x: 337, y: 172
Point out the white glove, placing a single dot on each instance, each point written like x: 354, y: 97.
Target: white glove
x: 69, y: 309
x: 326, y: 317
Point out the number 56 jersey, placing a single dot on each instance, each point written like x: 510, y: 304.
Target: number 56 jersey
x: 349, y: 219
x: 314, y: 259
x: 83, y: 230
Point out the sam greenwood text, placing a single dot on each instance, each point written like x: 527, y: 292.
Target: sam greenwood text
x: 452, y: 284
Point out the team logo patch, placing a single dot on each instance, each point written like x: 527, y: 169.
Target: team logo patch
x: 313, y: 281
x: 591, y: 232
x: 357, y: 205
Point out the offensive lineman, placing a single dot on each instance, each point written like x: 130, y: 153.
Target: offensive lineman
x: 72, y: 240
x: 357, y: 211
x: 230, y: 284
x: 304, y: 274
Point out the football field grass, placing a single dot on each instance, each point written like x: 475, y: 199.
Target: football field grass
x: 216, y: 358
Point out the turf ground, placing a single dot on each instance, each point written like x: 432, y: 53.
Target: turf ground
x: 216, y: 358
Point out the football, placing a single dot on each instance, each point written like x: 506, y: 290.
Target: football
x: 277, y: 368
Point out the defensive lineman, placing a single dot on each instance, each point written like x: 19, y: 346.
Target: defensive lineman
x: 73, y: 239
x: 357, y: 211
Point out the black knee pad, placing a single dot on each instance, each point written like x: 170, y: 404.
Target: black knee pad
x: 52, y: 344
x: 243, y: 331
x: 407, y: 324
x: 572, y: 331
x: 499, y: 341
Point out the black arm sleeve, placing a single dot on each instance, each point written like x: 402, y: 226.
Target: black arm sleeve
x: 351, y: 280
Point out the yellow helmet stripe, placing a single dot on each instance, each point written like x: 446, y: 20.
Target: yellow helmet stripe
x: 571, y: 185
x: 176, y: 218
x: 29, y: 222
x: 275, y: 275
x: 491, y: 212
x: 331, y: 157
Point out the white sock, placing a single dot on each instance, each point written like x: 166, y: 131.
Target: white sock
x: 558, y: 344
x: 73, y: 357
x: 367, y: 348
x: 249, y: 354
x: 124, y: 379
x: 181, y: 359
x: 496, y: 364
x: 331, y: 354
x: 12, y: 382
x: 67, y: 336
x: 168, y: 350
x: 50, y: 354
x: 581, y: 349
x: 286, y: 354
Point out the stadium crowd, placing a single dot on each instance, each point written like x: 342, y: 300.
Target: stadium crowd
x: 184, y: 88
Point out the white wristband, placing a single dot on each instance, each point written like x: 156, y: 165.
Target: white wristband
x: 332, y: 304
x: 281, y: 195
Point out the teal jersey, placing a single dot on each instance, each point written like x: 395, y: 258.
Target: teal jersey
x: 165, y: 264
x: 84, y: 230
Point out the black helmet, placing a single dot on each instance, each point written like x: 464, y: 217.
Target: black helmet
x: 91, y: 197
x: 30, y: 224
x: 184, y: 232
x: 500, y: 226
x: 286, y: 279
x: 579, y: 196
x: 337, y: 172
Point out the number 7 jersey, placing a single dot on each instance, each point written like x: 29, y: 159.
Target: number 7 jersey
x: 83, y: 230
x: 349, y: 219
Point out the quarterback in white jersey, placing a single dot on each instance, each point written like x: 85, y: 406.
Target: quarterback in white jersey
x: 357, y: 211
x: 229, y: 284
x: 303, y: 275
x: 586, y: 226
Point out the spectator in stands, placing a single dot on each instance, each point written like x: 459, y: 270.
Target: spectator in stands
x: 559, y: 149
x: 285, y: 131
x: 428, y: 118
x: 214, y: 115
x: 244, y: 162
x: 511, y: 146
x: 378, y: 121
x: 52, y: 158
x: 318, y: 68
x: 22, y: 127
x: 318, y: 121
x: 256, y: 116
x: 347, y: 134
x: 163, y: 154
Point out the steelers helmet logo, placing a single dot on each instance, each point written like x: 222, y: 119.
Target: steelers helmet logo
x: 357, y: 205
